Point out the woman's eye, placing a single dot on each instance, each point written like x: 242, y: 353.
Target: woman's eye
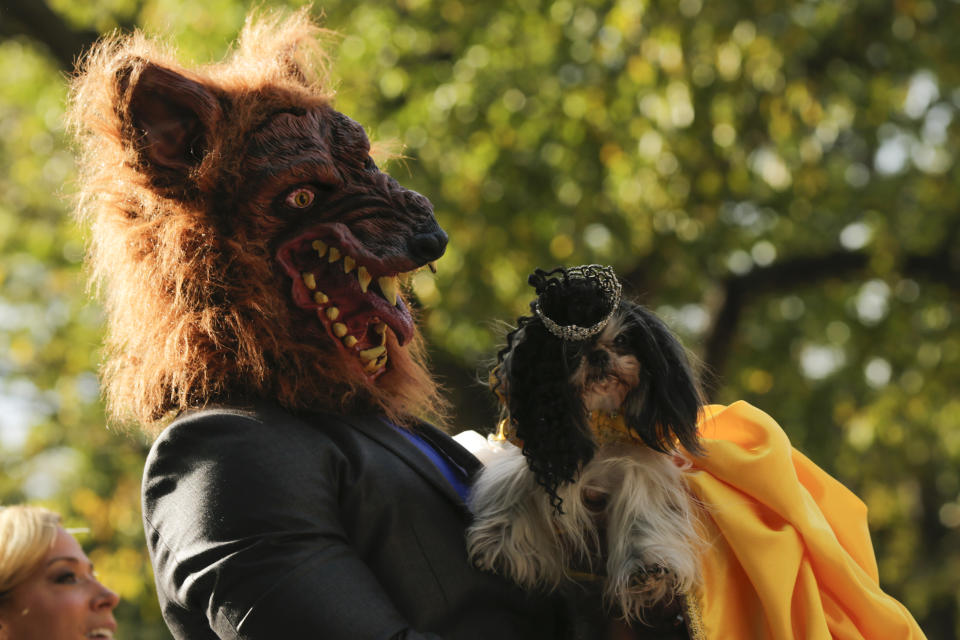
x: 300, y: 198
x: 66, y: 578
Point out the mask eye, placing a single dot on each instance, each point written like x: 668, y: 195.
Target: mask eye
x: 300, y: 198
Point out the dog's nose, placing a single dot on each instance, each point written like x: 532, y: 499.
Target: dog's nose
x: 427, y: 247
x: 598, y: 358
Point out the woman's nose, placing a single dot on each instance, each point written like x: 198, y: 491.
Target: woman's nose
x: 105, y: 598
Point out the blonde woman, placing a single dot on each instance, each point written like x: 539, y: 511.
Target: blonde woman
x: 48, y: 589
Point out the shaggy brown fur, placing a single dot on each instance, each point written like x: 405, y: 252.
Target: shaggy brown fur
x: 204, y: 190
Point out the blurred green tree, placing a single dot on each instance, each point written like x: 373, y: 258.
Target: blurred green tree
x: 778, y: 179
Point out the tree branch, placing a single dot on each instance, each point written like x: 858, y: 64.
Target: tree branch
x: 942, y: 267
x: 35, y: 19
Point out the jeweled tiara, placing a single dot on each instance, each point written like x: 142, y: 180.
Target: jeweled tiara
x: 610, y: 288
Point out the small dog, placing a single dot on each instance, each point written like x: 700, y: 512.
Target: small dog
x: 602, y: 396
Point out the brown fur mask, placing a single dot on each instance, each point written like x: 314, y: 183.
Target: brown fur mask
x: 211, y: 194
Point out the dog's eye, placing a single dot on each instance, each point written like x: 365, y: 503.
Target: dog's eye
x: 370, y: 165
x: 300, y: 198
x: 621, y: 340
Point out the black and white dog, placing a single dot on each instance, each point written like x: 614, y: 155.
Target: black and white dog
x: 601, y: 398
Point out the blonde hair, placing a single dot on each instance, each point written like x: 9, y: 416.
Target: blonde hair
x: 26, y: 535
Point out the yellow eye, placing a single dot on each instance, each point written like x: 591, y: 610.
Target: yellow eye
x: 300, y: 198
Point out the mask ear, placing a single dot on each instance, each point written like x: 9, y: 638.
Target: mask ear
x: 168, y: 117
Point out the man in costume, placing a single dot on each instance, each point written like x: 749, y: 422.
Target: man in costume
x: 249, y: 251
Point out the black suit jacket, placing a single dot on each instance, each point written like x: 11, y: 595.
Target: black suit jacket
x: 263, y: 525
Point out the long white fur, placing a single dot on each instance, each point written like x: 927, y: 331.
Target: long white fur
x: 651, y: 520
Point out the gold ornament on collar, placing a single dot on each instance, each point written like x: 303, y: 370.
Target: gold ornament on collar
x: 610, y: 428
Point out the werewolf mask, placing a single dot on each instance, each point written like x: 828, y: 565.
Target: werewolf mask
x: 248, y: 245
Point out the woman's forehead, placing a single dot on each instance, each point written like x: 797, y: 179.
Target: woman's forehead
x: 66, y: 547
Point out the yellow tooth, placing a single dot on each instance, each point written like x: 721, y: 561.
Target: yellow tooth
x: 320, y: 247
x: 348, y: 264
x: 309, y: 280
x: 433, y: 266
x: 334, y: 254
x: 339, y: 329
x: 349, y: 341
x: 364, y: 278
x: 321, y: 298
x: 388, y: 285
x: 380, y: 327
x: 373, y: 365
x: 371, y: 354
x: 333, y: 313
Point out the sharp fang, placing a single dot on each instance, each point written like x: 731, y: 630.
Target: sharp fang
x: 320, y: 247
x: 381, y: 329
x: 333, y: 313
x: 339, y: 329
x: 348, y: 264
x: 388, y: 285
x: 433, y: 266
x: 334, y: 254
x: 349, y: 341
x: 321, y: 298
x: 309, y: 280
x: 372, y: 354
x: 364, y: 278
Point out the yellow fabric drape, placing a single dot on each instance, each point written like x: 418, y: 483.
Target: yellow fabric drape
x: 790, y: 554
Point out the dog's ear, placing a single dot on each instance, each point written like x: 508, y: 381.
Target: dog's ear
x: 665, y: 406
x: 167, y: 117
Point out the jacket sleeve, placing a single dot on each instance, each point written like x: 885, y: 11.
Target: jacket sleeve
x: 243, y: 527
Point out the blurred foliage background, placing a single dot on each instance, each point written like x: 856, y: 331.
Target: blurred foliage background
x: 778, y: 179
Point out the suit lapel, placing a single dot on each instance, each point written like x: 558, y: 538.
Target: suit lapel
x: 451, y: 448
x: 390, y: 438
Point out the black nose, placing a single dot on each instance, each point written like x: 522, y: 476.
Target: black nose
x: 598, y: 358
x: 428, y: 246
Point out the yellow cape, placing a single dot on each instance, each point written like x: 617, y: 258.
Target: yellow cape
x: 791, y: 555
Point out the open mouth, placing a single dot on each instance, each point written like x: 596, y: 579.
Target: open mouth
x: 604, y: 391
x: 607, y: 381
x: 607, y: 385
x: 353, y: 293
x: 103, y: 633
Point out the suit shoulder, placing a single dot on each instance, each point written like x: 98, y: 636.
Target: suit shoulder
x: 232, y: 441
x: 221, y: 454
x: 246, y: 426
